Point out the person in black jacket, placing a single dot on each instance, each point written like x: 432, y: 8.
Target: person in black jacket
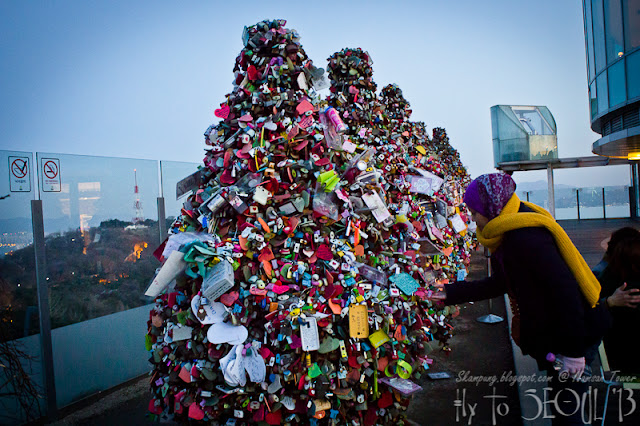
x: 615, y: 239
x: 620, y: 283
x: 551, y: 314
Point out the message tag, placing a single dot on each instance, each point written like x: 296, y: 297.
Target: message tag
x: 174, y: 265
x: 205, y: 312
x: 405, y: 282
x: 224, y: 332
x: 261, y: 195
x: 218, y: 281
x: 457, y: 223
x: 379, y: 338
x: 427, y: 184
x: 358, y: 321
x: 181, y: 333
x: 188, y: 184
x: 309, y: 335
x: 436, y: 233
x: 420, y: 185
x: 439, y: 376
x: 404, y: 386
x: 462, y: 274
x: 378, y: 208
x: 320, y: 81
x: 372, y: 274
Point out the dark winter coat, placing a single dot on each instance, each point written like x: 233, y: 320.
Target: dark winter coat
x: 554, y: 315
x: 617, y: 341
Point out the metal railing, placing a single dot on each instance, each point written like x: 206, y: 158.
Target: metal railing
x: 586, y: 203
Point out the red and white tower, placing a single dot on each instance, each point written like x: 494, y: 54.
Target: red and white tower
x: 137, y: 204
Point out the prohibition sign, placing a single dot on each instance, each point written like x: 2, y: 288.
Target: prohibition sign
x: 50, y: 170
x: 19, y: 168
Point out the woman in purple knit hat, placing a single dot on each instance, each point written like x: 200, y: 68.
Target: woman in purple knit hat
x: 556, y: 316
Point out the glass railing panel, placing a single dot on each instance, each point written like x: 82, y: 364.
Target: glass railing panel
x: 100, y: 222
x: 566, y: 204
x: 173, y: 172
x: 591, y: 203
x: 617, y: 201
x: 19, y: 321
x: 18, y: 292
x: 536, y: 196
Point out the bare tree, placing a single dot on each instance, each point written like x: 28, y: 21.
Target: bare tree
x: 20, y: 397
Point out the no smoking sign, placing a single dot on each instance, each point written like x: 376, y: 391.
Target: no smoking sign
x: 19, y: 174
x: 50, y: 172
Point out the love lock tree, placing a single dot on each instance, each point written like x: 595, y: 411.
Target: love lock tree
x: 296, y: 281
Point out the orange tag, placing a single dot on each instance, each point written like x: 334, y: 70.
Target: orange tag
x: 266, y: 255
x: 358, y: 321
x: 320, y: 414
x: 264, y: 225
x: 268, y: 269
x: 243, y: 243
x: 359, y: 250
x: 398, y: 335
x: 335, y: 308
x: 447, y: 251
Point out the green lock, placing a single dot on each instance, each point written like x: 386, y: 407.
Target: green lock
x: 314, y: 371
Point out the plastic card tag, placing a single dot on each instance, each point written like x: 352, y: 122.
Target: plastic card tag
x: 405, y: 386
x: 219, y: 280
x: 377, y: 206
x: 462, y: 274
x: 405, y: 282
x: 457, y: 223
x: 372, y: 274
x: 309, y: 335
x: 358, y: 321
x: 379, y: 338
x: 261, y: 195
x: 181, y: 333
x: 188, y: 184
x: 428, y: 181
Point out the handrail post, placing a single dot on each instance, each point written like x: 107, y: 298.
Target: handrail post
x: 578, y: 201
x: 162, y: 220
x: 46, y: 346
x: 604, y: 208
x: 490, y: 318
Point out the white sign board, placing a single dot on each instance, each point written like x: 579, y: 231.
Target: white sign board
x: 50, y: 172
x: 19, y: 174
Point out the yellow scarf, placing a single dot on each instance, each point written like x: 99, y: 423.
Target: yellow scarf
x: 510, y: 219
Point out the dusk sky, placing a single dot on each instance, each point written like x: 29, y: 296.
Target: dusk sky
x: 142, y: 79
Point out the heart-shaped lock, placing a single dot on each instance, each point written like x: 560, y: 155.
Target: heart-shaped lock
x: 222, y: 112
x: 229, y: 299
x: 324, y: 252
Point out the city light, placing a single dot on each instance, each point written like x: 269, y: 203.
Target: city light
x: 634, y: 156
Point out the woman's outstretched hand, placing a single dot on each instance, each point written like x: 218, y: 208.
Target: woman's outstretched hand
x: 624, y: 298
x: 572, y: 367
x: 441, y: 294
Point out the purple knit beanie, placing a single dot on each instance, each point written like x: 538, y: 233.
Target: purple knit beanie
x: 488, y: 194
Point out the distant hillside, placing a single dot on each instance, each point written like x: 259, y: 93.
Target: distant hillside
x: 539, y: 185
x: 90, y: 274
